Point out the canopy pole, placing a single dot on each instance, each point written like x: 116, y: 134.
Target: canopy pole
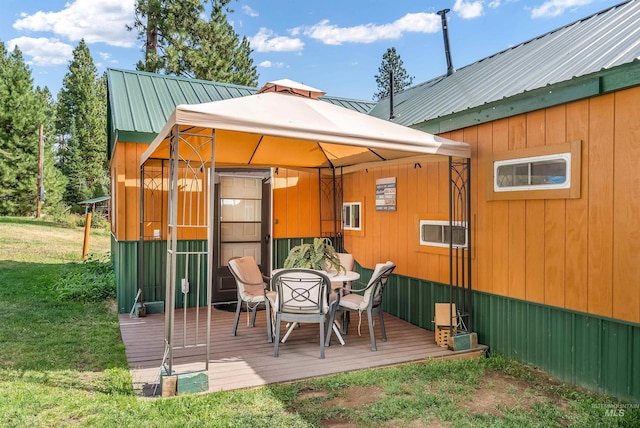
x: 172, y: 224
x: 210, y: 244
x: 141, y: 240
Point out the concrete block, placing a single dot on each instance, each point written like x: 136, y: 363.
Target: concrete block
x: 463, y: 341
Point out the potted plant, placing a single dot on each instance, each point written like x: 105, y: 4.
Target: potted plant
x: 321, y: 255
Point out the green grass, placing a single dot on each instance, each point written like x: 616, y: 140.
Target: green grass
x: 62, y: 363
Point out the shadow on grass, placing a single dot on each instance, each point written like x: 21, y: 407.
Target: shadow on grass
x: 42, y: 332
x: 27, y: 221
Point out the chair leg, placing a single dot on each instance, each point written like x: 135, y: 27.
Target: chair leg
x: 332, y: 318
x: 321, y: 323
x: 371, y: 332
x: 235, y: 322
x: 384, y: 333
x: 277, y: 336
x: 269, y: 321
x: 344, y: 328
x: 253, y: 316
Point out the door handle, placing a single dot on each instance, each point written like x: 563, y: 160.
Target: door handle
x: 267, y: 237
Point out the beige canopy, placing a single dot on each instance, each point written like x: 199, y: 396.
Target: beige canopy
x: 279, y: 127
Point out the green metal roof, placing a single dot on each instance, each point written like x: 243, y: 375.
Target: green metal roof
x: 139, y: 103
x: 581, y: 53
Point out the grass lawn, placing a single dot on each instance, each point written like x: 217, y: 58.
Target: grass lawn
x: 62, y: 363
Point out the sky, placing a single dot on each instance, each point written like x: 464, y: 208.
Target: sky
x: 332, y: 45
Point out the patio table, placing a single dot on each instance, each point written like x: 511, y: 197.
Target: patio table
x: 336, y: 278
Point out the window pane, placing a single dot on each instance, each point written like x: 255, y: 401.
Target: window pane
x: 459, y: 235
x: 505, y: 176
x: 549, y: 172
x: 355, y: 220
x: 240, y: 210
x: 346, y: 215
x: 432, y: 233
x: 545, y: 172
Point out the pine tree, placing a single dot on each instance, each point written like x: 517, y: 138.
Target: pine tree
x: 54, y: 181
x: 22, y: 111
x: 391, y: 62
x: 178, y: 41
x: 80, y: 128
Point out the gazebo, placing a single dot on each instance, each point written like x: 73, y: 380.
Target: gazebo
x: 284, y: 125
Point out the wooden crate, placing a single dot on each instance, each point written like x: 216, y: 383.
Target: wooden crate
x: 441, y: 321
x: 442, y: 335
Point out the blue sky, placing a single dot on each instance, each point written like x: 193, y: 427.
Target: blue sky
x: 335, y: 46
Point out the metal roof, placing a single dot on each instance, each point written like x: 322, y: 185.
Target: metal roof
x: 601, y: 41
x: 139, y: 103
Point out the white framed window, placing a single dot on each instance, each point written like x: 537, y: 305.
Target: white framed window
x: 546, y: 172
x: 436, y: 233
x: 351, y: 216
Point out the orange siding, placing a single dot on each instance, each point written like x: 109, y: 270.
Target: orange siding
x: 600, y: 216
x: 534, y: 215
x: 132, y: 193
x: 626, y: 207
x: 500, y: 227
x: 296, y: 204
x: 577, y: 214
x: 555, y: 218
x: 579, y: 254
x: 483, y: 220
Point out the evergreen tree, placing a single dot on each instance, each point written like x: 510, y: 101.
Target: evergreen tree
x: 54, y: 181
x: 179, y: 41
x: 221, y: 56
x: 22, y: 111
x: 80, y: 128
x: 391, y: 62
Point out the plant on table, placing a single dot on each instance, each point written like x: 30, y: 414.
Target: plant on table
x: 319, y: 255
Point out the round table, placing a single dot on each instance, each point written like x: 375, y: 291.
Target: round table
x: 335, y: 277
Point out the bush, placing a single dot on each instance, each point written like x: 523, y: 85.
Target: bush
x: 90, y: 281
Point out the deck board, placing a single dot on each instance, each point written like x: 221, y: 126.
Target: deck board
x: 247, y: 360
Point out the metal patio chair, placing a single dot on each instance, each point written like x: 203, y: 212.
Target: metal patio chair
x: 302, y: 296
x: 367, y: 299
x: 253, y: 287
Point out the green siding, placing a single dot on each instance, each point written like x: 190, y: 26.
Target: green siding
x: 125, y: 259
x: 125, y: 264
x: 281, y: 248
x: 597, y: 353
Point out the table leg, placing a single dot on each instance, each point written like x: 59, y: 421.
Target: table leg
x: 291, y: 327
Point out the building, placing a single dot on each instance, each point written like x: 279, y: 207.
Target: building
x: 555, y: 257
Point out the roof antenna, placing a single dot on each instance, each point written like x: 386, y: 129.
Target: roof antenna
x: 445, y: 34
x: 391, y: 115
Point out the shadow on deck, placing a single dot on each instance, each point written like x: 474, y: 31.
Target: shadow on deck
x: 247, y: 360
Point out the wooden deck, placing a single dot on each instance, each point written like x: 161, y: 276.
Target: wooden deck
x: 247, y: 360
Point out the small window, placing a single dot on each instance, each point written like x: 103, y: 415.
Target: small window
x: 533, y: 173
x: 436, y: 233
x: 351, y: 215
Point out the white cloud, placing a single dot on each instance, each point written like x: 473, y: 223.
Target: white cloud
x: 104, y: 55
x: 494, y: 4
x: 269, y: 64
x: 248, y: 11
x: 369, y: 33
x: 553, y: 8
x: 92, y: 20
x: 469, y: 9
x: 43, y: 51
x: 264, y: 42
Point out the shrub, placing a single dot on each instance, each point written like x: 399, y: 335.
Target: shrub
x: 90, y: 281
